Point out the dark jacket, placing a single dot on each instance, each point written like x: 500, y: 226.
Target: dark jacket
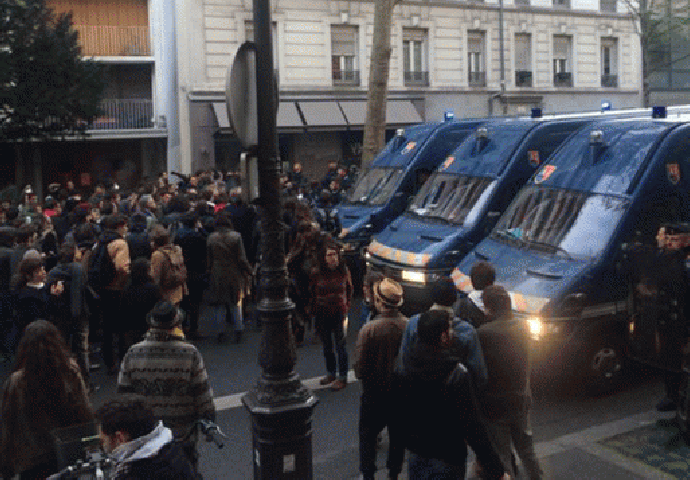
x: 436, y: 411
x: 139, y: 244
x: 229, y: 269
x: 193, y: 244
x: 137, y: 301
x: 169, y: 463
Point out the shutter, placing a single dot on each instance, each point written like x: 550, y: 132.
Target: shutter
x: 343, y: 40
x: 523, y: 52
x: 561, y: 47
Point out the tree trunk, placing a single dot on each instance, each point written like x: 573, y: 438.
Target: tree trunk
x: 375, y: 126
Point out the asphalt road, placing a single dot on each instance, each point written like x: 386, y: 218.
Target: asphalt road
x: 233, y: 369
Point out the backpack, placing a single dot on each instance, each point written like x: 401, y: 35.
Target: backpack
x: 101, y: 266
x: 174, y: 273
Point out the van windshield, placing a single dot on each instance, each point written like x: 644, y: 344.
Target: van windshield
x: 375, y: 186
x: 449, y: 197
x: 566, y: 222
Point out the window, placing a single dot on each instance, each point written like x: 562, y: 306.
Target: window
x: 523, y: 60
x: 609, y: 62
x: 415, y: 57
x: 562, y: 61
x: 344, y: 55
x: 522, y: 3
x: 476, y: 70
x: 608, y: 6
x: 561, y: 3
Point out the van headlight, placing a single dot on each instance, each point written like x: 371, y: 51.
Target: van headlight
x: 413, y: 276
x: 536, y: 327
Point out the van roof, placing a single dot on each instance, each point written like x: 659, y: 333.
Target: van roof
x: 609, y: 166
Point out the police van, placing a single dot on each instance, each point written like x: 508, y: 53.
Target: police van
x: 560, y: 249
x: 460, y: 203
x: 383, y: 191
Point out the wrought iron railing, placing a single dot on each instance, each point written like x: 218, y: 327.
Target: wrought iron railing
x: 346, y: 77
x: 124, y: 115
x: 477, y: 79
x: 416, y: 78
x: 563, y: 79
x: 609, y: 81
x: 523, y: 78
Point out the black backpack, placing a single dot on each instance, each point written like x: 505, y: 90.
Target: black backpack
x: 101, y: 266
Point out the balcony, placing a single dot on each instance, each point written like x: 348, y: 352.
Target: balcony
x: 349, y: 78
x: 523, y: 78
x: 416, y: 79
x: 124, y: 115
x: 609, y: 81
x: 477, y: 79
x: 108, y: 41
x: 608, y: 6
x: 563, y: 79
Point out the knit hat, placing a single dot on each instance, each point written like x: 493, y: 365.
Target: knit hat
x: 164, y: 315
x: 389, y: 292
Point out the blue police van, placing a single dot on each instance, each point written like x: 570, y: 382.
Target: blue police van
x: 383, y: 191
x: 460, y: 203
x: 560, y: 247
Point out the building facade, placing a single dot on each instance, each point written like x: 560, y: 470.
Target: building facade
x: 560, y: 55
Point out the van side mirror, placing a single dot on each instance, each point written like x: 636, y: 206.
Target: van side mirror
x: 573, y: 305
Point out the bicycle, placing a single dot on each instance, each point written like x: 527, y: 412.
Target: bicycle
x: 97, y: 465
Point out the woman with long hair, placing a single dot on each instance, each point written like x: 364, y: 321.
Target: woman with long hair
x: 44, y: 392
x: 331, y: 294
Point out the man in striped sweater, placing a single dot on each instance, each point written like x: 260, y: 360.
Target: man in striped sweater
x: 170, y: 373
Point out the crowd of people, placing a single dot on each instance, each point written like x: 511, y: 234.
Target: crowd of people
x: 130, y: 271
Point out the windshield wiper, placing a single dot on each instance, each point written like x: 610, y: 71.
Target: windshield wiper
x: 507, y: 234
x: 548, y: 246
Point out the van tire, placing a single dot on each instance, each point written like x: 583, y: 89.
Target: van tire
x: 604, y: 366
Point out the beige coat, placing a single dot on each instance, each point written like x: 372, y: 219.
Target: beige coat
x: 160, y: 262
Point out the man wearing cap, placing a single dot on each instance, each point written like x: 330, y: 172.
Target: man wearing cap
x: 375, y: 352
x: 170, y: 372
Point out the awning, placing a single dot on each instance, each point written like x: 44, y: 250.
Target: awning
x: 221, y: 112
x: 322, y: 114
x: 398, y: 112
x: 288, y: 116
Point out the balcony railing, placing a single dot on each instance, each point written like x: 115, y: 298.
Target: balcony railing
x: 124, y: 115
x: 477, y: 79
x: 608, y: 6
x: 346, y: 77
x: 609, y: 81
x: 107, y: 41
x: 420, y: 79
x: 563, y: 79
x: 523, y: 78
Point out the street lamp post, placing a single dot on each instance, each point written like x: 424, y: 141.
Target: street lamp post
x: 280, y: 406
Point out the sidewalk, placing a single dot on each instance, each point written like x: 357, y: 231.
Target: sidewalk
x: 644, y: 446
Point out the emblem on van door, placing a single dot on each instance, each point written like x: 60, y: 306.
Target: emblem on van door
x: 533, y: 157
x: 544, y: 173
x: 408, y: 148
x: 448, y: 162
x: 673, y: 172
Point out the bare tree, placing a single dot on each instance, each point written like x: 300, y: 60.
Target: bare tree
x: 661, y: 24
x: 379, y: 70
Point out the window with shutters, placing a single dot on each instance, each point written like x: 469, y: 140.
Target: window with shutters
x: 344, y: 64
x: 415, y: 66
x: 476, y: 58
x: 562, y: 61
x: 609, y: 62
x: 523, y: 60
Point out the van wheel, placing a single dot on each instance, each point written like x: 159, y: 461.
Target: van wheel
x: 683, y: 411
x: 604, y: 367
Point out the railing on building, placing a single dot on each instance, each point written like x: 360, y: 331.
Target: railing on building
x: 609, y: 81
x: 346, y: 77
x: 477, y: 79
x: 523, y: 78
x: 561, y: 4
x: 413, y: 78
x: 109, y: 41
x: 609, y: 6
x: 563, y: 79
x: 124, y: 115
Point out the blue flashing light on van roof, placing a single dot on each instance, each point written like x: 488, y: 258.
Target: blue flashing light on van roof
x: 559, y: 248
x: 448, y: 115
x: 658, y: 112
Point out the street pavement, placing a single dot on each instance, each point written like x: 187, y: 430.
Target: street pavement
x: 616, y: 436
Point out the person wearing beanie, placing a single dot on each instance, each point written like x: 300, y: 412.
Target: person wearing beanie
x: 170, y: 372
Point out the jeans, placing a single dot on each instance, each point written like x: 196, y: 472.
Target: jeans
x: 330, y: 330
x: 373, y: 418
x: 422, y: 468
x: 515, y: 431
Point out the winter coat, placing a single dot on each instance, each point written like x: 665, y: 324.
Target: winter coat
x: 159, y: 263
x: 228, y: 266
